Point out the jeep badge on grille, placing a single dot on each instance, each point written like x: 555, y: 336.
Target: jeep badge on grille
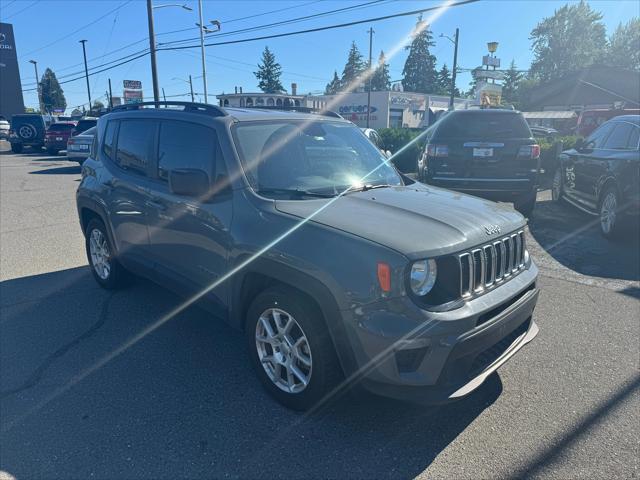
x: 492, y: 229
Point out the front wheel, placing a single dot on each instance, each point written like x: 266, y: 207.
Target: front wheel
x: 290, y: 348
x: 101, y: 255
x: 609, y: 211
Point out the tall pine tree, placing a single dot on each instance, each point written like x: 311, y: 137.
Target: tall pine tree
x: 268, y: 73
x: 52, y: 93
x: 354, y: 67
x: 419, y: 73
x: 510, y: 84
x: 334, y: 86
x: 380, y: 80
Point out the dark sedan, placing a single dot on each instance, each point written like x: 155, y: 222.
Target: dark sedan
x: 601, y: 175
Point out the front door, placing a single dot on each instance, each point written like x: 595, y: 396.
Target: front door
x: 189, y: 237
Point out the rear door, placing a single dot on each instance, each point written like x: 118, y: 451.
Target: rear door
x: 484, y: 145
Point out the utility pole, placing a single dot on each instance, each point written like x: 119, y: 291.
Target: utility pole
x: 370, y: 75
x: 86, y: 70
x: 38, y: 89
x: 110, y: 96
x: 204, y: 65
x: 152, y: 52
x: 191, y: 88
x: 455, y: 67
x: 164, y: 97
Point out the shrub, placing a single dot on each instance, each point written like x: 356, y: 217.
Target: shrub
x: 393, y: 139
x: 549, y: 151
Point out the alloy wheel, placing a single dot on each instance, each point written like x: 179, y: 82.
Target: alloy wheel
x: 100, y: 256
x: 608, y: 212
x: 283, y: 350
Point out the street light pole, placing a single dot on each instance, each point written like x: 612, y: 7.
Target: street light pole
x: 370, y: 75
x: 152, y: 52
x: 455, y: 67
x: 204, y: 65
x: 86, y: 70
x: 35, y: 65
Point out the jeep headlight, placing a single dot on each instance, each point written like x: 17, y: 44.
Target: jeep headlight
x: 423, y: 276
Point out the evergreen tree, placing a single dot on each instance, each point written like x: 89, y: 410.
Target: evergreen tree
x: 268, y: 73
x: 510, y: 84
x: 52, y: 94
x: 334, y: 86
x: 572, y: 39
x: 354, y: 67
x: 381, y: 80
x: 471, y: 93
x: 624, y: 46
x: 419, y: 72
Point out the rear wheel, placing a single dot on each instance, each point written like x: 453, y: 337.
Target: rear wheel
x: 290, y: 348
x: 609, y: 211
x: 101, y: 255
x: 527, y: 204
x: 16, y: 147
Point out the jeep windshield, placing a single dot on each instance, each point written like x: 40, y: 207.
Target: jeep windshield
x: 302, y: 159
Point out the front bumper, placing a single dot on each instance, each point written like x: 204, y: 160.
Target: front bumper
x: 405, y: 352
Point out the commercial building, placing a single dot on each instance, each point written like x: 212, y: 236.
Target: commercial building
x: 261, y: 99
x: 11, y: 101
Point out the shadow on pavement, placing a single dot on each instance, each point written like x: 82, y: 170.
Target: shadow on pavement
x: 183, y: 402
x: 572, y: 237
x: 72, y: 169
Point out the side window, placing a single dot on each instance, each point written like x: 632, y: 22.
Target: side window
x: 109, y: 139
x: 597, y: 138
x: 634, y: 138
x: 135, y: 142
x: 619, y: 136
x: 186, y: 145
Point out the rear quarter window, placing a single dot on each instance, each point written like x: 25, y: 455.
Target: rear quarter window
x: 483, y: 125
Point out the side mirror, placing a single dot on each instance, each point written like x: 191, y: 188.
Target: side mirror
x: 191, y: 182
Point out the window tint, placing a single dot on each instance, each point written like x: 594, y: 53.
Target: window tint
x: 634, y: 138
x: 61, y: 127
x: 597, y: 138
x: 619, y: 136
x: 185, y: 145
x: 484, y: 125
x: 109, y: 139
x: 135, y: 140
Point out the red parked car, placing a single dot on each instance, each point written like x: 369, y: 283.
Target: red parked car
x: 56, y: 136
x: 589, y: 120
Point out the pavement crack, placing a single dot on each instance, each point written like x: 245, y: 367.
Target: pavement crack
x: 39, y: 372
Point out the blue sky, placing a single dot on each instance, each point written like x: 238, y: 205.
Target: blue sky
x: 309, y: 60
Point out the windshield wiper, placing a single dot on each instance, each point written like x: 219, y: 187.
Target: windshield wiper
x: 364, y: 188
x: 294, y: 192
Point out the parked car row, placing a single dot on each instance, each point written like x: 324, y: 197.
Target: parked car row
x: 38, y: 131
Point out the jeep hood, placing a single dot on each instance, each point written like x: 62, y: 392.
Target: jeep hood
x: 415, y: 220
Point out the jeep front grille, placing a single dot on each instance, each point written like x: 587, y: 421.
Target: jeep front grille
x: 490, y: 265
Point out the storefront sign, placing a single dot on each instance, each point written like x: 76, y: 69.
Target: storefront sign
x: 132, y: 84
x: 347, y: 109
x: 133, y: 96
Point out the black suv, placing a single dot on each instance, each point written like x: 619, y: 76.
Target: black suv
x: 490, y: 153
x: 28, y: 130
x: 601, y: 175
x: 297, y: 230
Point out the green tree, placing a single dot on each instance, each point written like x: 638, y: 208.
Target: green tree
x: 354, y: 67
x: 52, y: 93
x: 419, y: 73
x: 573, y: 38
x: 268, y: 73
x: 97, y: 106
x: 334, y: 86
x: 473, y: 84
x: 510, y: 84
x: 381, y: 80
x: 624, y: 45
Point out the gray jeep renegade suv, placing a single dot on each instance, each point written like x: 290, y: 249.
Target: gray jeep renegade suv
x: 297, y: 230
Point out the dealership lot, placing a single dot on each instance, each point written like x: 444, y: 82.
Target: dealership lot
x: 182, y: 402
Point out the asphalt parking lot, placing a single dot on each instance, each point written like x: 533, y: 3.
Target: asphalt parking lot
x: 183, y: 403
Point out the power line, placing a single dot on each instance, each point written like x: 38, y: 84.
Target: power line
x: 320, y: 29
x: 20, y: 11
x: 271, y: 11
x: 78, y: 30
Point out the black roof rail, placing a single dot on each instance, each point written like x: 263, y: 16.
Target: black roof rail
x: 294, y: 108
x: 187, y: 107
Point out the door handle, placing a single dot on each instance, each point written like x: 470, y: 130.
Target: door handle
x: 156, y: 205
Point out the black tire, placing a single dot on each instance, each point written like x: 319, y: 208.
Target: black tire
x: 612, y: 226
x: 52, y: 151
x: 324, y: 373
x: 526, y: 205
x: 16, y: 147
x: 117, y: 276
